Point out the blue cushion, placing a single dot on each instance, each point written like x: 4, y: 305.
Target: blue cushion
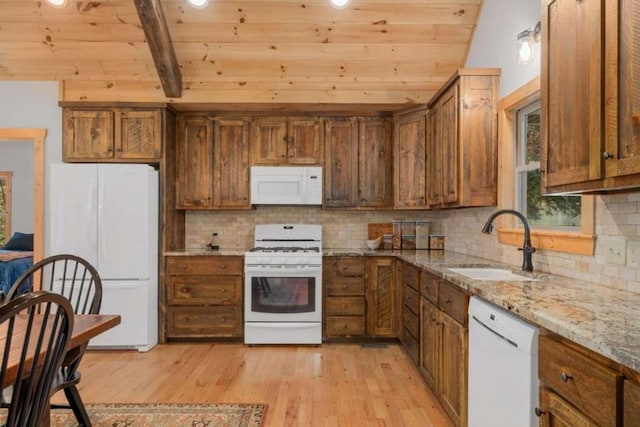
x: 20, y: 242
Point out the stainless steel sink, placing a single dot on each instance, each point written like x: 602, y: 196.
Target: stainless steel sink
x: 491, y: 273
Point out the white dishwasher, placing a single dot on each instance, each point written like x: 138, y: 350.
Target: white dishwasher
x: 503, y: 368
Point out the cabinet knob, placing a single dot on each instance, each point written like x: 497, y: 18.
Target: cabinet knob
x: 565, y: 377
x: 223, y: 320
x: 186, y: 290
x: 448, y: 301
x: 606, y: 155
x: 538, y: 412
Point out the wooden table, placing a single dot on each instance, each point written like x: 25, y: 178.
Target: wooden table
x: 85, y: 327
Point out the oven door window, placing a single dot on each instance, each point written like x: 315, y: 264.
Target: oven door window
x: 283, y: 294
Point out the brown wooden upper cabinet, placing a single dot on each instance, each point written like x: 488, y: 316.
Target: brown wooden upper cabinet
x: 213, y: 163
x: 105, y: 134
x: 357, y: 162
x: 286, y: 141
x: 462, y: 141
x: 409, y: 178
x: 590, y: 108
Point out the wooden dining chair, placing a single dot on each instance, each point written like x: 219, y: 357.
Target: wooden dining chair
x: 78, y: 281
x: 36, y: 329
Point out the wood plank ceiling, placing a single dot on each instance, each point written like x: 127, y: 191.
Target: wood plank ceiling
x: 241, y: 51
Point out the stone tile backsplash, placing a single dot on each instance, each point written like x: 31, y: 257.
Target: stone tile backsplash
x: 617, y: 217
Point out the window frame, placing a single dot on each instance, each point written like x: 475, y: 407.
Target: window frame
x: 6, y: 176
x: 580, y: 242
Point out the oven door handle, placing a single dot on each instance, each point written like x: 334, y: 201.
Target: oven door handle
x: 277, y: 325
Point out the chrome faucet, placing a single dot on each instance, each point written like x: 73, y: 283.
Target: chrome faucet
x: 526, y: 248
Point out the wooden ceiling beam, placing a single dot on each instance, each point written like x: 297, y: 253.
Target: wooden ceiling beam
x: 159, y: 40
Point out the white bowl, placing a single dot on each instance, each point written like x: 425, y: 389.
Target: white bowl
x: 374, y: 244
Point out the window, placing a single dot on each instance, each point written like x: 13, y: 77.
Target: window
x: 5, y: 206
x: 553, y: 212
x: 559, y: 223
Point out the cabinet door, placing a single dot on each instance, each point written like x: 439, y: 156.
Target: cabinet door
x: 434, y: 157
x: 374, y: 163
x: 231, y: 172
x: 341, y: 171
x: 558, y: 413
x: 381, y: 302
x: 448, y: 144
x: 631, y: 404
x: 430, y: 343
x: 88, y: 134
x: 571, y: 95
x: 453, y: 369
x: 304, y: 141
x: 138, y: 135
x: 269, y: 141
x: 409, y: 162
x: 194, y: 187
x: 623, y: 80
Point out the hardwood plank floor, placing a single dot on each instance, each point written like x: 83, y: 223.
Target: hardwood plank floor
x: 328, y: 385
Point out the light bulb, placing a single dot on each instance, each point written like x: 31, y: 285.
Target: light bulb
x: 339, y: 4
x: 198, y: 4
x: 525, y: 47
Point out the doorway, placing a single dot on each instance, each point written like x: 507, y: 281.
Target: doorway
x: 35, y: 136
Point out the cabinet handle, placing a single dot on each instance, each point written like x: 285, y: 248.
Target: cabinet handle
x: 565, y: 377
x: 448, y: 301
x: 606, y: 155
x: 538, y: 412
x: 223, y: 320
x: 186, y: 290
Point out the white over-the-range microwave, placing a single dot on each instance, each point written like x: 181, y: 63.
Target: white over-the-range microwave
x: 286, y: 185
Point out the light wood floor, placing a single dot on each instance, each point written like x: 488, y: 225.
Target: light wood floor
x: 328, y: 385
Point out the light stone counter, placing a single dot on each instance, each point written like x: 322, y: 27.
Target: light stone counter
x: 602, y: 319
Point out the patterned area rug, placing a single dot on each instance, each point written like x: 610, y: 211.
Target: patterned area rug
x: 167, y: 415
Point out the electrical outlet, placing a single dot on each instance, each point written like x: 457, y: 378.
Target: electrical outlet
x: 633, y: 254
x: 615, y: 252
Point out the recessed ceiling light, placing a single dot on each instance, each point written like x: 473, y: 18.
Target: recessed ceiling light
x: 198, y: 4
x: 57, y: 3
x: 339, y: 4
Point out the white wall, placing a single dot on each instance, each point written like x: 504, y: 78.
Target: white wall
x: 17, y: 157
x: 34, y: 105
x: 495, y: 40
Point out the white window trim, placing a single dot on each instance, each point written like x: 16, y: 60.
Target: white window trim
x: 580, y: 242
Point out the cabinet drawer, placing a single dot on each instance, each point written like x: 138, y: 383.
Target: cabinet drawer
x: 344, y: 267
x: 412, y: 299
x: 585, y: 383
x: 205, y: 265
x: 411, y: 346
x: 453, y: 301
x: 411, y: 276
x: 345, y: 306
x: 429, y: 284
x: 411, y: 322
x: 214, y: 321
x: 202, y: 290
x: 345, y: 286
x: 344, y: 326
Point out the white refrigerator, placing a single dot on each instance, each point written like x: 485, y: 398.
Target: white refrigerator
x: 108, y: 214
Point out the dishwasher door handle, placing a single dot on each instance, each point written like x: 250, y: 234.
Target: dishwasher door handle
x: 494, y: 332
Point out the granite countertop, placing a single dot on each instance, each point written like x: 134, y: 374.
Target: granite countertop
x: 602, y: 319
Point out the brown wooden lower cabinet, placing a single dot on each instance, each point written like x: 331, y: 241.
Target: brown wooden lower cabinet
x: 631, y: 399
x: 576, y: 389
x: 444, y: 348
x: 359, y: 297
x: 203, y: 297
